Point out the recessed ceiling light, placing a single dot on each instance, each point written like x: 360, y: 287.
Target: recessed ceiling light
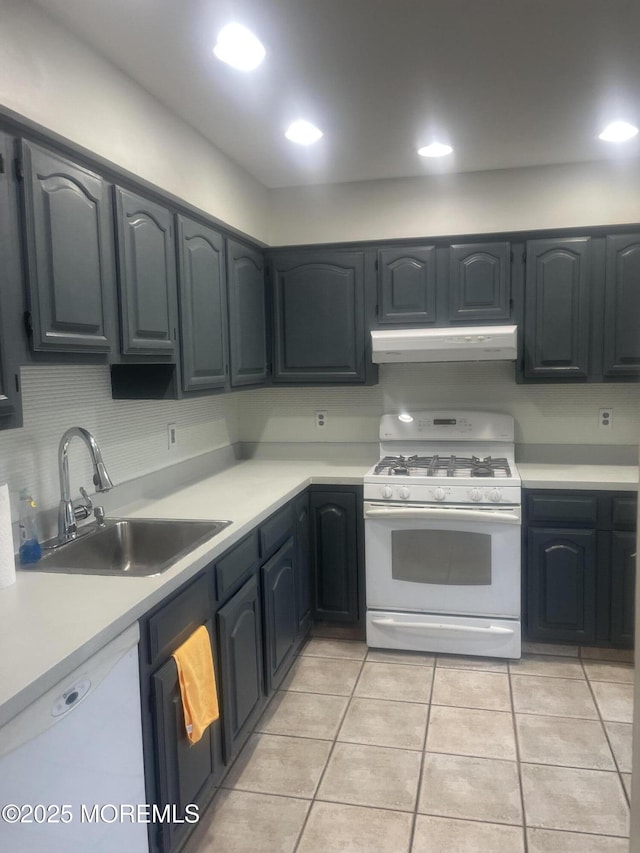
x: 237, y: 46
x: 436, y: 149
x: 618, y: 131
x: 303, y: 132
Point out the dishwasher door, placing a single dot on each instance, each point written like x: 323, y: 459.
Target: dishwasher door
x: 79, y: 745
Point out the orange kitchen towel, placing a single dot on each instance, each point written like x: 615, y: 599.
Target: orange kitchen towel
x: 197, y: 683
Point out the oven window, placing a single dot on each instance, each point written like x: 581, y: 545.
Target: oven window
x: 445, y: 557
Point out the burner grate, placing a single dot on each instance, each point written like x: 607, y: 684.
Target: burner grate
x: 444, y: 466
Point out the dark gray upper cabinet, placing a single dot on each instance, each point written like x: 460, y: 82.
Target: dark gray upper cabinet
x: 69, y: 253
x: 557, y: 308
x: 407, y: 285
x: 622, y: 306
x: 201, y: 271
x: 479, y: 282
x: 146, y: 276
x: 10, y: 294
x: 247, y: 315
x: 319, y: 317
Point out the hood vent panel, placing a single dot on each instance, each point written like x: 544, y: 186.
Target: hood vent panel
x: 472, y: 343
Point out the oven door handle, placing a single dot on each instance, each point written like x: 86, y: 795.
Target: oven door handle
x: 439, y: 626
x: 436, y: 514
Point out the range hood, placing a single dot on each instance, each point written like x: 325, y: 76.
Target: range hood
x: 473, y: 343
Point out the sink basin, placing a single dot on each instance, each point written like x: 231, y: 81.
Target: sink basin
x: 129, y: 546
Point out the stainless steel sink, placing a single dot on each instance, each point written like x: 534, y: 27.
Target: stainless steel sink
x: 129, y: 546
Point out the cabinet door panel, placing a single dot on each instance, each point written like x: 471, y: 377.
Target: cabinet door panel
x: 623, y: 585
x: 622, y: 306
x: 11, y: 298
x: 247, y: 315
x: 561, y: 583
x: 319, y: 317
x: 479, y: 282
x: 279, y: 599
x: 186, y: 773
x: 69, y: 252
x: 147, y: 276
x: 407, y: 285
x: 303, y: 562
x: 335, y: 556
x: 202, y: 306
x: 239, y: 627
x: 557, y: 308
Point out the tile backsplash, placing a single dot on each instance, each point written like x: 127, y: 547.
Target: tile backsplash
x: 132, y: 434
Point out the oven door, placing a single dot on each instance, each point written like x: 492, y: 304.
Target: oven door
x: 457, y: 560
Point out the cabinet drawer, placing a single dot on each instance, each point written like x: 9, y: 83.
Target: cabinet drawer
x: 275, y: 531
x: 231, y: 568
x: 170, y: 626
x: 563, y: 508
x: 624, y: 513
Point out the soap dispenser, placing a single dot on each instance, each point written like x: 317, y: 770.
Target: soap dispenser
x: 30, y: 551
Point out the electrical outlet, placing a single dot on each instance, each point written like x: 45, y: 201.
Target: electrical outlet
x: 172, y: 436
x: 321, y: 419
x: 605, y: 418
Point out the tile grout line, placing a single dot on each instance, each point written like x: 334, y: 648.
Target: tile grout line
x: 606, y: 734
x: 525, y: 840
x: 331, y: 751
x: 422, y: 760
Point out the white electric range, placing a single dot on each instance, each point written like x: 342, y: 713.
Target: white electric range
x: 442, y: 535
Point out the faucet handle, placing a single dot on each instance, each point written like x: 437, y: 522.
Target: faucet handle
x: 83, y: 510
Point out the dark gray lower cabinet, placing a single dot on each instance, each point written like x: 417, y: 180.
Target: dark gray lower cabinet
x: 623, y: 587
x: 562, y: 585
x: 579, y: 566
x: 280, y: 613
x: 335, y: 553
x: 303, y: 562
x: 185, y: 773
x: 240, y: 644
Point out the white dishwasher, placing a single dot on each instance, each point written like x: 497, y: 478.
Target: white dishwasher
x: 71, y: 766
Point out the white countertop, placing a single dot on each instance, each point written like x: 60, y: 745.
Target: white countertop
x: 51, y: 623
x: 622, y: 478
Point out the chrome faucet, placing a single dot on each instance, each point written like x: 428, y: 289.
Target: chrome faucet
x: 68, y: 512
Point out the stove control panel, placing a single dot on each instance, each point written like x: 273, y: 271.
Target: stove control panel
x: 421, y: 493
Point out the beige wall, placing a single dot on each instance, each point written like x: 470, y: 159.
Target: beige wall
x: 51, y: 77
x: 584, y: 194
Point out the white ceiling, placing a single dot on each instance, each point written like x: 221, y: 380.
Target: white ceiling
x: 508, y: 83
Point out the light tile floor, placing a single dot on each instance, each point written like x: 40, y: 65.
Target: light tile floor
x: 365, y: 751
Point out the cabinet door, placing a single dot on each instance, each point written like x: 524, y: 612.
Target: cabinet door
x: 247, y: 315
x: 10, y: 293
x: 561, y: 585
x: 240, y: 641
x: 556, y: 334
x: 407, y: 285
x: 335, y: 556
x: 622, y: 306
x: 69, y: 253
x: 280, y: 613
x: 186, y: 773
x: 319, y: 323
x: 201, y: 269
x: 146, y: 276
x: 623, y: 586
x: 303, y: 562
x: 480, y: 282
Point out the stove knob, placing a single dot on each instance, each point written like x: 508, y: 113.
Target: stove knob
x: 404, y: 493
x: 439, y: 494
x: 495, y: 495
x: 387, y: 492
x: 475, y: 495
